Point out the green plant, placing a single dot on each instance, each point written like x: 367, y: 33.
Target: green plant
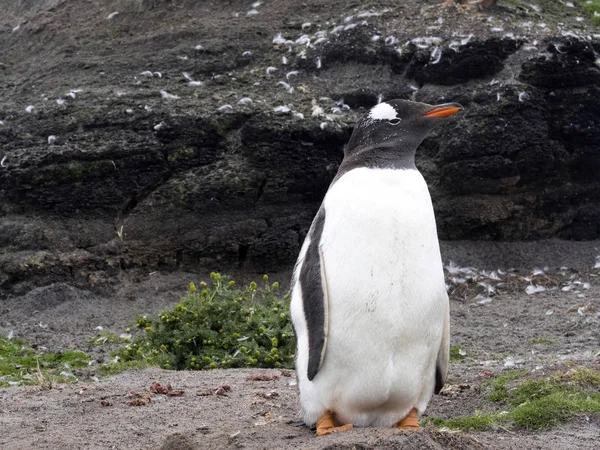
x: 499, y: 390
x: 104, y: 338
x: 21, y: 364
x: 593, y: 7
x: 217, y: 326
x: 543, y: 340
x: 477, y: 421
x: 457, y: 354
x: 554, y: 408
x: 122, y: 366
x: 535, y: 403
x: 582, y: 377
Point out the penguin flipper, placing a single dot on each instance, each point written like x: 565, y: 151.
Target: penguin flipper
x: 315, y: 299
x: 441, y: 366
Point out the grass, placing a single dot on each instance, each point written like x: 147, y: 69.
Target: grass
x: 455, y: 354
x: 534, y: 404
x: 582, y: 377
x: 498, y: 356
x: 543, y: 340
x: 122, y: 366
x: 593, y: 7
x: 225, y: 326
x: 216, y: 326
x: 478, y: 422
x: 21, y: 364
x: 499, y: 390
x: 104, y: 338
x: 553, y: 409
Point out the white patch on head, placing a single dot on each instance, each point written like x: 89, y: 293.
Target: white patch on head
x: 382, y: 111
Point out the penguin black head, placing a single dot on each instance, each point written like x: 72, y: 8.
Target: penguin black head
x: 389, y: 134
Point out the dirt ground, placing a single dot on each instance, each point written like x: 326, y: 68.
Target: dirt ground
x: 543, y: 332
x: 74, y: 418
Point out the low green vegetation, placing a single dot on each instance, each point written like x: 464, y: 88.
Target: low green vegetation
x: 216, y: 326
x: 499, y: 391
x: 457, y: 354
x: 476, y: 422
x: 593, y: 7
x: 543, y: 340
x: 222, y: 325
x: 20, y: 364
x: 115, y: 367
x: 104, y: 338
x: 534, y: 403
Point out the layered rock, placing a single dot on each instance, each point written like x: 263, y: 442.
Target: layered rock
x: 137, y: 180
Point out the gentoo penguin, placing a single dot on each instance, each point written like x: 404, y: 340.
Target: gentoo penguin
x: 369, y: 303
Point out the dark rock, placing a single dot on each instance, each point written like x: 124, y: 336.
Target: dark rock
x: 296, y: 161
x: 501, y: 128
x: 585, y: 224
x: 570, y: 63
x: 356, y: 45
x: 194, y: 141
x: 542, y: 162
x: 359, y: 97
x: 488, y: 175
x: 585, y: 164
x: 475, y: 59
x: 237, y: 189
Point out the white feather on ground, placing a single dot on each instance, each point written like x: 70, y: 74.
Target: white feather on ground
x: 167, y: 96
x: 284, y: 109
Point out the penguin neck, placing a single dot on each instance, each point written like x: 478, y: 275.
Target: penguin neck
x: 377, y: 157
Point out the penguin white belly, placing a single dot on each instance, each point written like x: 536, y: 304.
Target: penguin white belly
x: 386, y: 300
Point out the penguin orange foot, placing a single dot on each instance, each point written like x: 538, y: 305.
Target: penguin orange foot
x: 410, y: 422
x: 325, y: 425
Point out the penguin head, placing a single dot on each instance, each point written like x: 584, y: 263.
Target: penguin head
x: 398, y: 126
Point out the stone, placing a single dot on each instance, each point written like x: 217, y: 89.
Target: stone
x: 236, y: 190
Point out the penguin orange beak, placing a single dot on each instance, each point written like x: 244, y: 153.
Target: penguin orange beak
x: 445, y: 110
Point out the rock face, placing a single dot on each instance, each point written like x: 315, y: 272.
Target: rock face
x: 138, y: 179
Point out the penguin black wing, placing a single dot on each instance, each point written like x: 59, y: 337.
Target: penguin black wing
x: 313, y: 283
x: 441, y: 366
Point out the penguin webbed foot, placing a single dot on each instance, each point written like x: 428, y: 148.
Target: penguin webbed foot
x: 410, y: 422
x: 326, y: 426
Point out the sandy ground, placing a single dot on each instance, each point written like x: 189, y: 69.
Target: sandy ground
x: 73, y: 418
x: 497, y: 336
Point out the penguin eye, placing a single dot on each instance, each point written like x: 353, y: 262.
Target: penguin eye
x: 395, y: 121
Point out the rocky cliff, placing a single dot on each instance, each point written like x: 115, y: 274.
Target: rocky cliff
x: 164, y: 135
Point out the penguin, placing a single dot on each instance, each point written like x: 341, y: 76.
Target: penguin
x: 368, y: 299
